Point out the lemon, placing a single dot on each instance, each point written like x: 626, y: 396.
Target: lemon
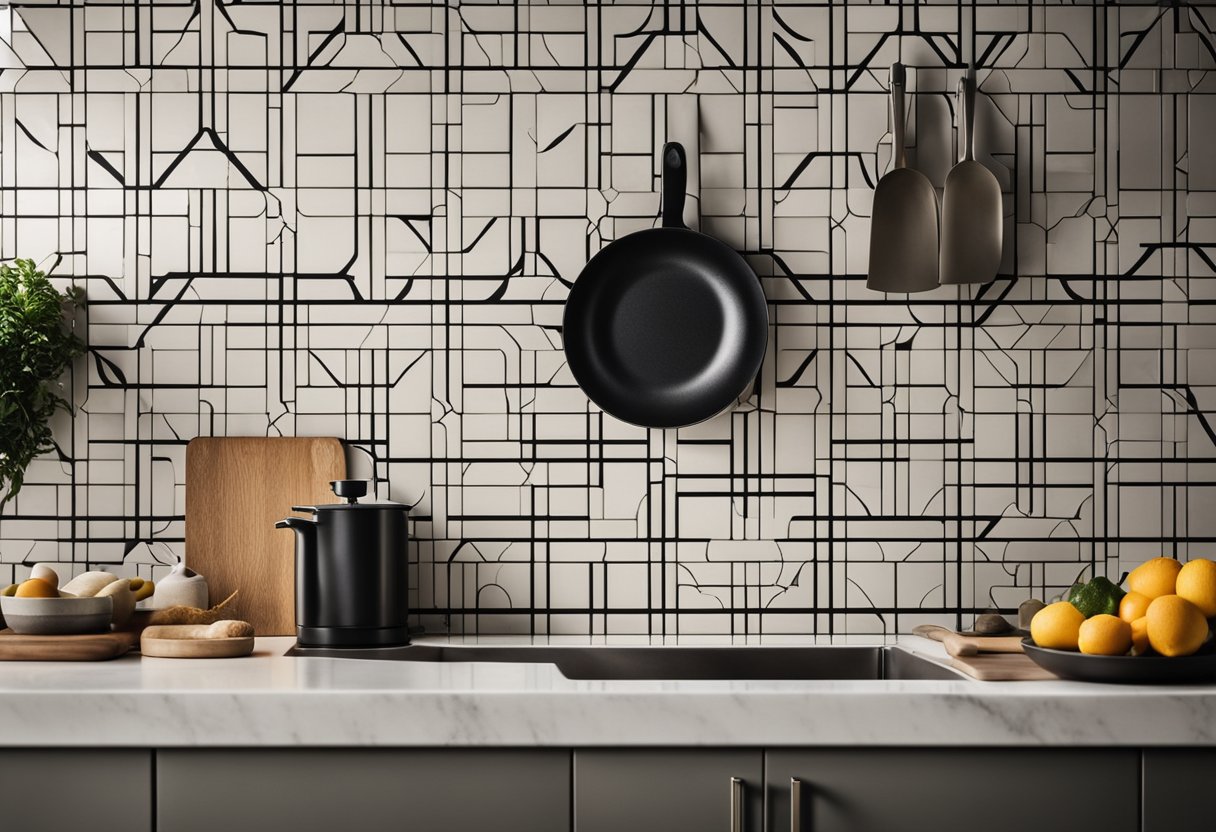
x: 1057, y: 626
x: 1155, y: 577
x: 1197, y: 584
x: 1176, y: 627
x: 1133, y: 606
x: 1140, y: 644
x: 1105, y: 635
x: 36, y: 588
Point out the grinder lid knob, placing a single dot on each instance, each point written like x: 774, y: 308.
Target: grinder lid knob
x: 351, y: 490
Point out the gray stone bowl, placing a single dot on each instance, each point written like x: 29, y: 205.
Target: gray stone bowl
x: 57, y: 616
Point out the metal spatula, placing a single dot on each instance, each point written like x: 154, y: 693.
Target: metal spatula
x: 972, y: 213
x: 904, y: 227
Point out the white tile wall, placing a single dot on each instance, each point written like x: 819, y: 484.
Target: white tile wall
x: 363, y: 218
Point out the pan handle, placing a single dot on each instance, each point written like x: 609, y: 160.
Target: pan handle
x: 675, y: 180
x: 966, y: 98
x: 898, y: 80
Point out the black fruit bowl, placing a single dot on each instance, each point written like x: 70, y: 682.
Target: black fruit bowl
x: 1140, y: 670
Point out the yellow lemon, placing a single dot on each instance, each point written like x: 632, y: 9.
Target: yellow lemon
x: 1133, y: 606
x: 36, y: 588
x: 1105, y: 635
x: 1197, y: 584
x: 1140, y: 644
x: 1057, y: 626
x: 1176, y: 627
x: 1155, y: 577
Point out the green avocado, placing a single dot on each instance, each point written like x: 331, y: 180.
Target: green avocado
x: 1099, y: 596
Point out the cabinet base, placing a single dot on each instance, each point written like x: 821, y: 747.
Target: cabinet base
x: 352, y: 636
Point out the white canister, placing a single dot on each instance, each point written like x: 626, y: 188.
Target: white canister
x: 181, y: 586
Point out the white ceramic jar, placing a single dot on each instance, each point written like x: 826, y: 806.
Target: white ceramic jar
x: 181, y: 586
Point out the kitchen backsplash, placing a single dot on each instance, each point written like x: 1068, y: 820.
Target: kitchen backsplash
x: 362, y: 219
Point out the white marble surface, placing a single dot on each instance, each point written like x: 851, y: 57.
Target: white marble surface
x: 273, y: 700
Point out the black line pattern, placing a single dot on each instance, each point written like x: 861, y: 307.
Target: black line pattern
x: 362, y: 219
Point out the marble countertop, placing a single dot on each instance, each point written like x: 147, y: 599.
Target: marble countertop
x: 271, y: 699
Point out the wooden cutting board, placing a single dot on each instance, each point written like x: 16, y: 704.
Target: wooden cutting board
x: 236, y: 489
x: 83, y: 648
x: 1001, y: 667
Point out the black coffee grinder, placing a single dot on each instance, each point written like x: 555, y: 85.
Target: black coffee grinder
x: 351, y: 571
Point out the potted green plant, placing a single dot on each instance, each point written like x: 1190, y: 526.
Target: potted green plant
x: 37, y: 345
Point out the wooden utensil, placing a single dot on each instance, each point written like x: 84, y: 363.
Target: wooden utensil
x: 904, y: 223
x: 236, y: 488
x: 972, y: 211
x: 1001, y: 667
x: 80, y: 648
x: 958, y: 644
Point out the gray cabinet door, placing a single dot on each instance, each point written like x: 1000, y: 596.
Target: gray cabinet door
x: 666, y: 790
x: 931, y: 790
x: 370, y: 790
x: 76, y: 788
x: 1178, y: 790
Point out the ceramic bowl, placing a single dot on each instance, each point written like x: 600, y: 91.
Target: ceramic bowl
x: 1141, y: 670
x: 57, y: 616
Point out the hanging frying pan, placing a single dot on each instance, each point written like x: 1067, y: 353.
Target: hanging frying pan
x: 666, y: 327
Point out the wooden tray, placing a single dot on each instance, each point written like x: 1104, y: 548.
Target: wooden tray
x: 169, y: 646
x: 83, y: 648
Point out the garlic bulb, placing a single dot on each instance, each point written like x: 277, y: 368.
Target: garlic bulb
x: 45, y: 573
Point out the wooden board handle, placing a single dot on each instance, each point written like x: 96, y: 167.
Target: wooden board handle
x: 930, y: 631
x: 960, y: 646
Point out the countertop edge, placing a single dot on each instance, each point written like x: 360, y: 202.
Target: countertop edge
x: 500, y: 719
x: 274, y: 701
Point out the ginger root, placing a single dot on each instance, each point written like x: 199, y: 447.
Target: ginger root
x: 179, y: 614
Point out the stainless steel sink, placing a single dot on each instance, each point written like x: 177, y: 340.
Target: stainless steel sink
x: 664, y: 662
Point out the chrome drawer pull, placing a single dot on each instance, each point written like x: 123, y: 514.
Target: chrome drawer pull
x: 736, y: 804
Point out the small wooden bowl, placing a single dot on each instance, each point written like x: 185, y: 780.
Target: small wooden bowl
x: 166, y: 645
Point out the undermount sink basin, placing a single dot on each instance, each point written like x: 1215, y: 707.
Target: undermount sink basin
x: 673, y: 663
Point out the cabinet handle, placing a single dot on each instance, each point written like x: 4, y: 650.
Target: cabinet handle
x: 736, y: 804
x: 795, y: 805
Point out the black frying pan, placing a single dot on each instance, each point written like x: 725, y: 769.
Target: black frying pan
x: 666, y: 327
